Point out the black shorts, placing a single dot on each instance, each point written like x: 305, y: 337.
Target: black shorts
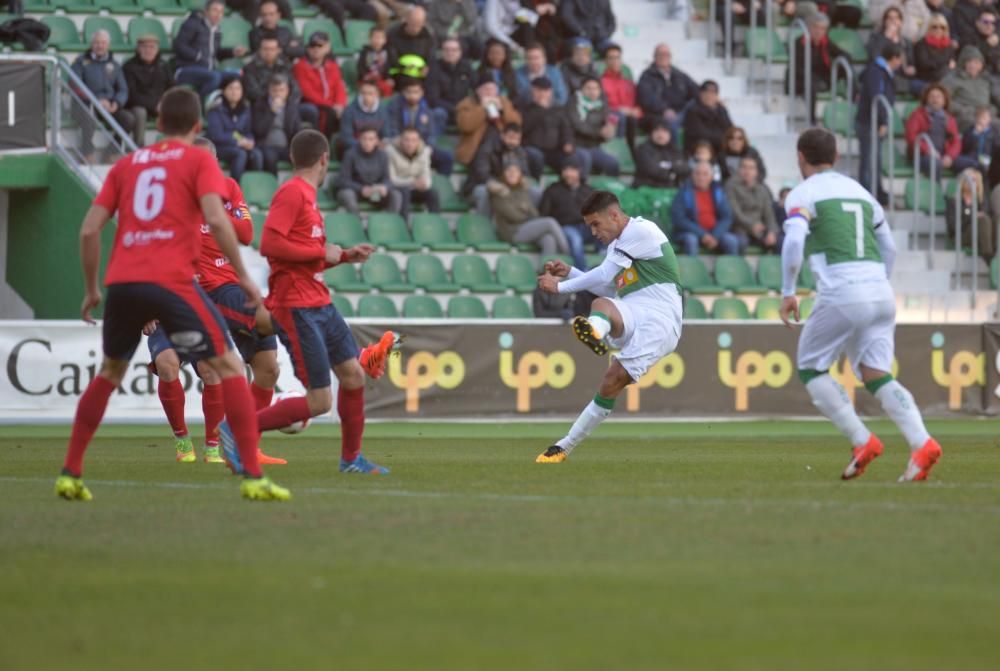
x: 316, y: 340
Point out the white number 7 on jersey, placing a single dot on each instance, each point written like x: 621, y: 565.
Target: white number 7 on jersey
x: 859, y: 226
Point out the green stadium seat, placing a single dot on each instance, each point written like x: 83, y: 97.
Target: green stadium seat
x: 62, y: 33
x: 694, y: 308
x: 759, y: 40
x: 258, y: 188
x: 466, y: 307
x: 910, y: 197
x: 769, y: 273
x: 357, y: 34
x: 475, y: 230
x: 618, y: 148
x: 344, y: 277
x: 730, y: 308
x: 38, y: 7
x: 94, y: 23
x: 76, y: 6
x: 377, y: 306
x: 321, y: 23
x: 142, y: 25
x: 695, y: 277
x: 343, y: 305
x: 838, y: 117
x: 302, y: 9
x: 387, y: 229
x: 902, y: 164
x: 767, y: 308
x: 517, y: 272
x: 450, y: 200
x: 381, y: 272
x: 175, y: 27
x: 899, y: 119
x: 349, y: 73
x: 605, y: 183
x: 258, y: 219
x: 849, y: 41
x: 431, y: 230
x: 427, y: 272
x: 471, y: 272
x: 344, y: 229
x: 324, y: 201
x: 119, y: 6
x: 235, y: 32
x: 511, y: 307
x: 994, y: 271
x: 806, y: 307
x: 568, y: 260
x: 422, y: 307
x: 164, y: 7
x: 733, y: 273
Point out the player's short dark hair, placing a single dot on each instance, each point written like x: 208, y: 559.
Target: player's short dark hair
x: 598, y: 202
x: 307, y: 147
x: 180, y: 111
x: 204, y: 142
x: 818, y: 146
x: 891, y: 50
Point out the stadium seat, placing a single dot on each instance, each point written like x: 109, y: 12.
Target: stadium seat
x: 344, y: 277
x: 450, y: 200
x: 733, y: 273
x: 618, y: 148
x: 119, y: 6
x: 910, y: 196
x: 349, y: 73
x: 62, y: 33
x: 849, y: 41
x: 38, y: 6
x: 730, y: 308
x: 165, y: 7
x: 76, y: 6
x: 511, y: 307
x: 759, y: 40
x: 326, y: 25
x: 258, y: 188
x: 357, y: 34
x: 994, y: 271
x: 235, y: 32
x: 806, y: 307
x: 94, y: 23
x: 695, y: 277
x: 694, y: 308
x: 767, y: 308
x: 343, y: 305
x: 516, y: 272
x: 475, y: 230
x: 471, y: 272
x: 258, y: 219
x: 381, y: 272
x: 427, y: 272
x: 902, y: 165
x: 142, y: 25
x: 423, y: 307
x: 769, y: 273
x: 432, y: 231
x: 568, y: 260
x: 838, y: 117
x: 377, y: 306
x: 300, y: 8
x: 605, y: 183
x: 466, y: 307
x: 387, y: 229
x: 344, y: 229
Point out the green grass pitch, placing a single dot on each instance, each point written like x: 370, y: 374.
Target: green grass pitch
x: 657, y: 546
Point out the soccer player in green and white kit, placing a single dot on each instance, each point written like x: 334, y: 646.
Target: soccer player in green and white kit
x: 639, y: 310
x: 835, y: 222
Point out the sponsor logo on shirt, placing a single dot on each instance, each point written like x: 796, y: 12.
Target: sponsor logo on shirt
x: 317, y: 232
x: 150, y: 155
x: 142, y: 238
x: 205, y: 229
x: 627, y: 277
x: 319, y: 278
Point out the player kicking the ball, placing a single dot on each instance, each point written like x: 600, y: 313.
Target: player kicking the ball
x: 639, y: 310
x: 161, y: 194
x: 836, y: 223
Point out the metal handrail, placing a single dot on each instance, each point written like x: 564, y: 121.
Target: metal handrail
x: 877, y: 101
x: 728, y: 37
x: 918, y: 149
x: 841, y: 62
x: 967, y: 178
x: 768, y: 60
x: 807, y: 80
x: 753, y: 29
x: 711, y: 29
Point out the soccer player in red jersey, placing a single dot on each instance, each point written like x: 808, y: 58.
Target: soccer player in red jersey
x: 314, y: 333
x: 160, y: 195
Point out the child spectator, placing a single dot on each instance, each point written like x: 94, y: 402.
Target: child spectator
x: 230, y: 128
x: 702, y: 152
x: 517, y: 218
x: 985, y: 227
x: 373, y: 62
x: 657, y: 163
x: 752, y: 206
x: 410, y: 171
x: 933, y: 119
x: 588, y: 116
x: 979, y: 143
x: 364, y: 175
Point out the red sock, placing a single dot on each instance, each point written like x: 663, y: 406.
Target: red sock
x: 214, y: 409
x: 261, y: 396
x: 243, y: 421
x: 351, y: 408
x: 89, y: 412
x: 172, y: 399
x: 283, y: 413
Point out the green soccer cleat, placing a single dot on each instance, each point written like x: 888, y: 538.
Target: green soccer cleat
x: 185, y: 451
x: 212, y: 455
x: 262, y: 489
x: 72, y: 489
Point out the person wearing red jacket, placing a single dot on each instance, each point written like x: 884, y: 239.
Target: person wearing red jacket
x: 619, y: 89
x: 933, y: 119
x: 321, y: 83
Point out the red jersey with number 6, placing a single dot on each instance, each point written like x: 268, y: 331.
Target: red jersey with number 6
x: 156, y: 193
x: 214, y: 269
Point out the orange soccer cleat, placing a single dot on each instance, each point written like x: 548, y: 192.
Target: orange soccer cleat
x: 862, y: 457
x: 921, y: 462
x: 270, y: 461
x: 374, y: 356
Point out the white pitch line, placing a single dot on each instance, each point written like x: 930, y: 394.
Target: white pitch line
x: 667, y: 501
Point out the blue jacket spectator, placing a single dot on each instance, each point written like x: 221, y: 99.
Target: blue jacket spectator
x: 876, y: 79
x: 230, y: 127
x: 701, y: 216
x: 365, y: 111
x: 104, y: 77
x: 198, y: 48
x: 536, y: 67
x: 410, y: 109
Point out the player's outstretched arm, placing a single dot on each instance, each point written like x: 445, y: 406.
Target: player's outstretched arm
x: 599, y: 280
x: 792, y: 255
x: 222, y: 230
x: 90, y: 258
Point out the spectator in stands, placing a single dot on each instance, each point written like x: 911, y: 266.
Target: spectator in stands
x: 230, y: 128
x: 373, y: 62
x: 876, y: 79
x: 517, y: 219
x: 267, y: 62
x: 364, y: 176
x: 890, y: 33
x: 707, y: 118
x: 562, y: 201
x: 987, y: 41
x: 979, y: 144
x: 664, y: 91
x: 915, y: 15
x: 934, y: 55
x: 985, y: 227
x: 701, y: 216
x: 933, y: 119
x: 490, y: 161
x: 410, y: 171
x: 451, y: 80
x: 411, y: 37
x: 964, y: 15
x: 535, y: 67
x: 580, y: 64
x: 324, y: 95
x: 736, y: 147
x: 548, y: 137
x: 509, y: 22
x: 276, y: 120
x: 753, y: 209
x: 496, y: 65
x: 703, y: 152
x: 249, y: 9
x: 147, y: 78
x: 969, y: 87
x: 268, y: 16
x: 410, y: 109
x: 657, y: 163
x: 619, y: 89
x: 588, y: 117
x: 939, y: 7
x: 458, y: 19
x: 198, y: 48
x: 548, y: 27
x: 365, y: 111
x: 823, y: 53
x: 592, y: 20
x: 104, y: 77
x: 479, y: 118
x: 779, y: 205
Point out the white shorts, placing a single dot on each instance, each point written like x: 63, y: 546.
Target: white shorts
x: 865, y: 332
x: 648, y: 336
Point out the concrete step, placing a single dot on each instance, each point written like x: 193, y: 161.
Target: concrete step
x: 921, y: 281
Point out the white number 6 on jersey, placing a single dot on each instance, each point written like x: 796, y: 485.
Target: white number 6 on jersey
x: 149, y: 193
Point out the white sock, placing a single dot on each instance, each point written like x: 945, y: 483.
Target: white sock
x: 600, y: 323
x: 831, y: 400
x: 898, y: 403
x: 589, y: 419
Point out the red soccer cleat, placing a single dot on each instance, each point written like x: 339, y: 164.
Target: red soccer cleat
x: 374, y: 356
x: 921, y: 462
x: 270, y: 461
x: 862, y: 457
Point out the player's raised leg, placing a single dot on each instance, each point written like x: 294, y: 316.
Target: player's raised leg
x: 604, y: 320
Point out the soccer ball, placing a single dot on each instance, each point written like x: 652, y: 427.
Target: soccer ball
x: 297, y: 427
